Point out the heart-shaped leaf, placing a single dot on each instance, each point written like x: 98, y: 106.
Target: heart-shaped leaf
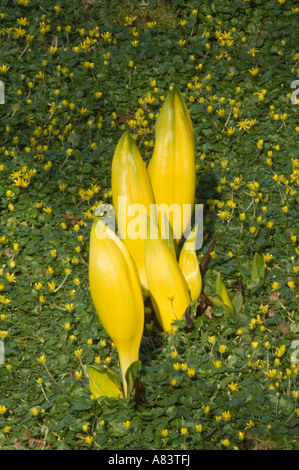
x: 104, y: 383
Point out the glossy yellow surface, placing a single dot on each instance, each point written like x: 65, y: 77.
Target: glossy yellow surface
x: 116, y: 293
x: 189, y: 265
x: 172, y: 166
x: 130, y: 179
x: 167, y: 285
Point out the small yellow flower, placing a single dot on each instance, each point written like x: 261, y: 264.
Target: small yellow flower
x: 3, y: 409
x: 226, y: 415
x: 4, y: 68
x: 191, y: 372
x: 280, y: 352
x: 184, y: 431
x: 212, y: 339
x: 10, y: 277
x: 254, y: 71
x: 164, y: 432
x: 127, y: 424
x: 69, y: 307
x: 233, y: 386
x: 88, y: 440
x: 225, y: 442
x: 78, y: 352
x: 42, y: 359
x: 250, y: 424
x: 222, y: 348
x: 52, y: 285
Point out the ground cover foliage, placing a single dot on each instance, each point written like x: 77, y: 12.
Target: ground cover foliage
x: 76, y: 75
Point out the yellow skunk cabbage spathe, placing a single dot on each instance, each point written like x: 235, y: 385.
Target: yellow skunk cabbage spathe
x: 167, y: 285
x: 116, y: 293
x: 132, y: 194
x: 189, y: 265
x: 172, y: 166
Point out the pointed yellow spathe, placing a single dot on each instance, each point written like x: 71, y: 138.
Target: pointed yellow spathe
x: 116, y: 293
x: 167, y: 285
x: 189, y: 265
x: 133, y: 200
x: 221, y: 290
x: 172, y: 166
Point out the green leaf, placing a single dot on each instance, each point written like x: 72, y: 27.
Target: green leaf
x: 237, y: 301
x: 104, y: 383
x: 258, y: 267
x: 216, y: 301
x: 133, y: 371
x: 222, y: 292
x: 254, y: 284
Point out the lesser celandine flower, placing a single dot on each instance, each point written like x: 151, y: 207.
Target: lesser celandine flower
x: 42, y: 359
x: 225, y: 442
x: 233, y: 386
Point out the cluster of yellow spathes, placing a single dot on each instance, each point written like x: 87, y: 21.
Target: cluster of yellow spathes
x: 124, y: 269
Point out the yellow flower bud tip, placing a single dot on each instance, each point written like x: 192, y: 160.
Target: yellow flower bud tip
x: 116, y: 293
x: 172, y: 166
